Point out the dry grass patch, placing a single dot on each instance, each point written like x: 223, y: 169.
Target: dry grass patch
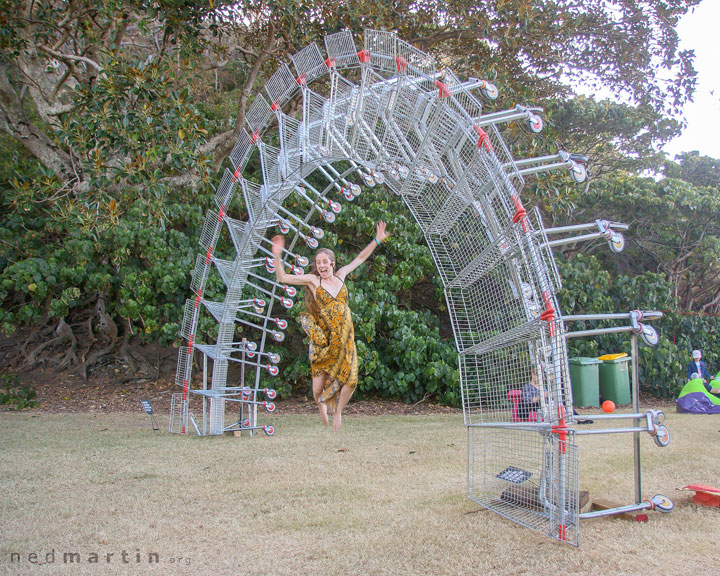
x: 386, y: 496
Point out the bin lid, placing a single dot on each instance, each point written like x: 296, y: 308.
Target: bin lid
x: 606, y: 357
x: 583, y: 361
x: 620, y: 360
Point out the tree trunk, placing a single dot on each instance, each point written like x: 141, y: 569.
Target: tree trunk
x: 14, y: 121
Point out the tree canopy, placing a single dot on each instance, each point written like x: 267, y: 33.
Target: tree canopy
x: 116, y: 119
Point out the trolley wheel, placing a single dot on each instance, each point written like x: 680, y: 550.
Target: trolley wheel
x: 302, y: 261
x: 662, y: 436
x: 270, y: 393
x: 355, y: 189
x: 535, y: 123
x: 617, y: 242
x: 578, y: 172
x: 662, y: 503
x: 270, y: 407
x: 336, y: 207
x: 319, y: 233
x: 281, y: 323
x: 379, y: 177
x: 269, y: 430
x: 649, y: 335
x: 329, y: 216
x: 311, y: 242
x: 246, y: 423
x: 278, y: 336
x: 490, y: 91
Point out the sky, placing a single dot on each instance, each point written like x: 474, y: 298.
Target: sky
x: 699, y: 31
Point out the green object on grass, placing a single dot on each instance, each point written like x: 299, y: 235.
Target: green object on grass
x: 615, y: 380
x: 584, y: 378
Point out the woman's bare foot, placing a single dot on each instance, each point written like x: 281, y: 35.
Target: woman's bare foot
x: 337, y: 421
x: 323, y: 413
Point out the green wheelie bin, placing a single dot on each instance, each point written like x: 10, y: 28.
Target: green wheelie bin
x: 584, y: 377
x: 615, y: 378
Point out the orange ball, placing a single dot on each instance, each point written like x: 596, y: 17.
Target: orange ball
x: 608, y: 406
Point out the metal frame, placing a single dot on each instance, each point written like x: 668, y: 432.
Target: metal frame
x: 388, y: 116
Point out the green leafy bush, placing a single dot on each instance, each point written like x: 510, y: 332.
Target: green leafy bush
x: 13, y: 394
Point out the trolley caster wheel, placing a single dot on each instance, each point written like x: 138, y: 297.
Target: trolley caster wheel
x: 272, y: 369
x: 270, y: 393
x: 329, y: 216
x: 578, y: 173
x: 270, y: 407
x: 246, y: 423
x: 336, y: 207
x: 274, y: 358
x: 535, y: 123
x: 278, y: 336
x: 302, y: 261
x: 662, y: 504
x: 281, y: 323
x: 649, y: 335
x: 617, y: 243
x: 355, y: 189
x: 662, y: 436
x: 269, y: 430
x: 490, y: 91
x: 311, y: 242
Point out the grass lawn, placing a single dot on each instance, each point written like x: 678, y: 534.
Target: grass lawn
x: 385, y: 496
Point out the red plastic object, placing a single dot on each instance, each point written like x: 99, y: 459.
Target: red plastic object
x: 515, y: 396
x: 704, y: 495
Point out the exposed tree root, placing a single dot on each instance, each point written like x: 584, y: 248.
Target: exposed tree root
x: 64, y: 333
x: 108, y: 329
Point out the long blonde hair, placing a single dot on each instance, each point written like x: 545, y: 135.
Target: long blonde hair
x: 310, y: 303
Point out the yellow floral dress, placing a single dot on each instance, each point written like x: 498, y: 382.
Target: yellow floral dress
x: 332, y: 343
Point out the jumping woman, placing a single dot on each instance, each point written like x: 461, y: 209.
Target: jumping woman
x: 333, y: 358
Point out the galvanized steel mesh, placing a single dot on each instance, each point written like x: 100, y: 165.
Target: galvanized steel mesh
x: 386, y: 109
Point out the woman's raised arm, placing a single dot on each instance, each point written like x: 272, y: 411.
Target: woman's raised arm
x: 380, y: 236
x: 278, y: 243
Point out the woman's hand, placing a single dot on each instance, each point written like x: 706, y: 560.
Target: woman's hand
x: 278, y: 243
x: 380, y: 233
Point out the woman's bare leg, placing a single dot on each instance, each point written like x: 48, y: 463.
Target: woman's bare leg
x: 318, y: 383
x: 345, y: 394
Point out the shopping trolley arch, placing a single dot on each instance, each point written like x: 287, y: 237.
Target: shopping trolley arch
x: 386, y: 115
x: 440, y: 103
